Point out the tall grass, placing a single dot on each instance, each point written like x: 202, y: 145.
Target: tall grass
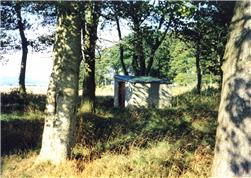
x: 173, y: 142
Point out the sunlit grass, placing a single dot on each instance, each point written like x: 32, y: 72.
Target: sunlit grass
x: 29, y: 115
x: 179, y: 90
x: 160, y: 159
x: 105, y: 91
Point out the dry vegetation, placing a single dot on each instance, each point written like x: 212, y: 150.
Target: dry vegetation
x: 174, y: 142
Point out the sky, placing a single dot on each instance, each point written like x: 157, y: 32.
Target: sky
x: 38, y: 69
x: 39, y: 65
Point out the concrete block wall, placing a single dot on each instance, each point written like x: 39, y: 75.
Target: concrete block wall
x: 144, y: 95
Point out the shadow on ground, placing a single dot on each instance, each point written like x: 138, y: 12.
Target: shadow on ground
x: 21, y: 125
x: 20, y: 135
x: 191, y: 120
x: 116, y: 130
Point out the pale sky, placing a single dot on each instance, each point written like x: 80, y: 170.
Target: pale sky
x: 39, y: 65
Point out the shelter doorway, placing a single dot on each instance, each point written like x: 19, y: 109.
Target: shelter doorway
x: 121, y: 94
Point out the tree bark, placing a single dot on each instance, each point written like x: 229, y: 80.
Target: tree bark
x: 233, y: 139
x: 221, y: 80
x: 198, y: 69
x: 157, y: 43
x: 20, y: 24
x: 151, y: 56
x: 89, y: 86
x: 58, y: 134
x: 139, y: 58
x: 135, y: 65
x: 121, y: 48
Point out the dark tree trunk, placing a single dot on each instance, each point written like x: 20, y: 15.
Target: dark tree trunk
x: 121, y: 48
x: 221, y: 71
x: 135, y: 65
x: 22, y: 89
x: 139, y: 56
x: 138, y: 62
x: 151, y: 58
x: 62, y: 94
x: 148, y: 69
x: 233, y: 139
x: 140, y: 53
x: 221, y: 79
x: 142, y: 60
x: 89, y: 86
x: 198, y: 69
x: 155, y: 46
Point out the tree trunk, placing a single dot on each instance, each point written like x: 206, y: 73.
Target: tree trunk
x: 139, y: 53
x: 151, y: 57
x: 233, y: 139
x: 221, y: 80
x: 121, y: 48
x: 154, y: 47
x: 89, y: 86
x: 58, y: 134
x: 150, y: 63
x: 22, y: 89
x: 221, y: 58
x: 135, y: 65
x: 198, y: 69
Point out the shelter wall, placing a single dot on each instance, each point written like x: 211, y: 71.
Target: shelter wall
x: 116, y: 98
x: 146, y: 95
x: 149, y: 95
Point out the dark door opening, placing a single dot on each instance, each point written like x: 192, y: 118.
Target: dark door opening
x: 122, y: 94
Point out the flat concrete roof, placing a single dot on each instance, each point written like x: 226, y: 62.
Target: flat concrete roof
x: 141, y: 79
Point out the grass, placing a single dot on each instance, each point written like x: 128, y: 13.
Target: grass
x: 173, y: 142
x: 105, y: 91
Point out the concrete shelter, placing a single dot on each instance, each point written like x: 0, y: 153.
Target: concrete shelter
x: 146, y: 92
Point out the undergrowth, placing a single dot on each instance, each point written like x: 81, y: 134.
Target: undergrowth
x: 172, y: 142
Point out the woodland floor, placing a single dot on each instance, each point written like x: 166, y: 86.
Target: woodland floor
x: 172, y: 142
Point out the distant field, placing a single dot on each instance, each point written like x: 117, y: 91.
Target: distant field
x: 29, y: 89
x: 100, y: 91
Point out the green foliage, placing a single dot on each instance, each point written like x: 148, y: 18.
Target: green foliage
x: 161, y: 66
x: 149, y: 23
x: 207, y: 33
x: 109, y: 64
x: 175, y: 57
x: 182, y: 65
x: 173, y: 60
